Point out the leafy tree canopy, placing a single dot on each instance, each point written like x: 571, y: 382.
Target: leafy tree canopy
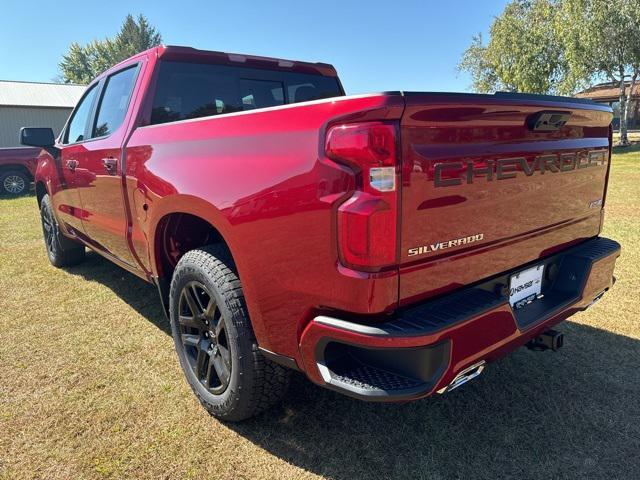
x: 600, y: 38
x: 559, y: 46
x: 82, y: 63
x: 523, y: 52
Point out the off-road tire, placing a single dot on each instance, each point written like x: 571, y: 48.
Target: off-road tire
x: 62, y: 251
x: 254, y: 383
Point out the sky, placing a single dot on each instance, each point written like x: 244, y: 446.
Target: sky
x: 375, y: 45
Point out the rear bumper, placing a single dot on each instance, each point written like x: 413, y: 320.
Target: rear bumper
x: 422, y: 348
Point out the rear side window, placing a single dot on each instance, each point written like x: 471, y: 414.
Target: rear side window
x: 193, y: 90
x: 78, y: 123
x: 114, y: 102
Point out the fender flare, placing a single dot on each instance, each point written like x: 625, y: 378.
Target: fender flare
x: 190, y: 205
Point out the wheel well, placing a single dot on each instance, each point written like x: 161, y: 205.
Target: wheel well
x: 178, y: 233
x: 41, y: 191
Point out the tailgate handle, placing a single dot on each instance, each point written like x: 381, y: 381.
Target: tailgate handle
x: 547, y: 121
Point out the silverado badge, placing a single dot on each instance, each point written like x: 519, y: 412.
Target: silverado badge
x: 436, y: 247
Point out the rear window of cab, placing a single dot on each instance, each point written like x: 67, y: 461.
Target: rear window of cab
x: 192, y: 90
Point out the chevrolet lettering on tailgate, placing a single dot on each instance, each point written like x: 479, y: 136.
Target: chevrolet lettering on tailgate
x: 448, y: 174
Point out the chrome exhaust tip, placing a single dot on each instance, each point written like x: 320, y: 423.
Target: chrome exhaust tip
x: 464, y: 376
x: 596, y: 299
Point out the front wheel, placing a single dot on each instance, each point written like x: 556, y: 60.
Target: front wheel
x: 214, y: 340
x: 62, y: 251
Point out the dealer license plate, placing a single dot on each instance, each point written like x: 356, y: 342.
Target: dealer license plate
x: 525, y: 286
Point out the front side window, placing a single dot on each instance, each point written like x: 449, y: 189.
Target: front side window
x: 114, y: 102
x: 192, y: 90
x: 78, y: 123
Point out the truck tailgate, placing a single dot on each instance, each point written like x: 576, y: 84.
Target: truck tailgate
x: 492, y: 182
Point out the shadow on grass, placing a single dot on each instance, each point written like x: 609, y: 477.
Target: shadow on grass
x: 140, y: 295
x: 571, y: 414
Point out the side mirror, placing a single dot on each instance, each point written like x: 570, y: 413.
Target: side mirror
x: 37, y: 137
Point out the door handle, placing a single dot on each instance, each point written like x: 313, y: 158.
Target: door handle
x: 110, y: 165
x: 72, y: 164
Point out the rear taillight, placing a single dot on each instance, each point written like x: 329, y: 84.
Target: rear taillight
x: 606, y: 178
x: 367, y: 221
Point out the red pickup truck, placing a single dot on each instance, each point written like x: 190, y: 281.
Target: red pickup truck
x: 17, y: 169
x: 388, y: 245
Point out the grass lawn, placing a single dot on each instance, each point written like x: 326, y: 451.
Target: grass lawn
x: 90, y: 387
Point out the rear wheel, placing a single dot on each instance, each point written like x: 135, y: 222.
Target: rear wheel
x: 14, y: 182
x: 62, y: 251
x: 214, y: 340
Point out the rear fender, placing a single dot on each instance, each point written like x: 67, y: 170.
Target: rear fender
x: 189, y: 204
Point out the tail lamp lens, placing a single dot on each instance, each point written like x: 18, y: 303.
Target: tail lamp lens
x: 370, y: 144
x: 367, y: 221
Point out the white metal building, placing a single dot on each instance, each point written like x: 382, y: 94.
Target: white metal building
x: 30, y: 104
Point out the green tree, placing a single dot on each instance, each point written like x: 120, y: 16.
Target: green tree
x: 602, y: 40
x: 523, y: 53
x: 475, y: 60
x: 81, y: 64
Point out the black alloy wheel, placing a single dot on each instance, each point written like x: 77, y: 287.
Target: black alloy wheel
x: 48, y: 231
x: 62, y: 251
x: 204, y: 337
